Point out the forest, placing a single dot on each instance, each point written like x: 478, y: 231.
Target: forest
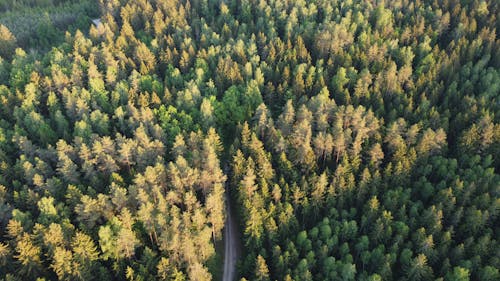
x: 353, y: 139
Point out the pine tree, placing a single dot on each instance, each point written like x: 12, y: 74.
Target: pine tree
x: 7, y: 42
x: 261, y: 270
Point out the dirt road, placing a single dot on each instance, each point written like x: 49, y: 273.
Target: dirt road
x: 230, y: 245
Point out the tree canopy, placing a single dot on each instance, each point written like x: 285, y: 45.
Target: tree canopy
x: 357, y: 140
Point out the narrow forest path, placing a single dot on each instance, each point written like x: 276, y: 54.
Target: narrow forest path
x: 230, y: 241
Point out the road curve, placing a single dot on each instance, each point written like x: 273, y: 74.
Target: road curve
x: 230, y: 245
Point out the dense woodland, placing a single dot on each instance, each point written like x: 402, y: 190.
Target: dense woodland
x: 358, y: 140
x: 38, y: 25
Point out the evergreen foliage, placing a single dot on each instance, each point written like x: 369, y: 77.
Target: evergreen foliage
x: 359, y: 140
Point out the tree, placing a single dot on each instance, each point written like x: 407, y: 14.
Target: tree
x: 207, y: 113
x: 62, y: 264
x: 489, y: 273
x: 459, y: 274
x: 197, y: 272
x: 85, y: 255
x: 376, y: 155
x: 7, y: 43
x: 107, y: 242
x: 215, y: 208
x: 88, y: 211
x: 29, y: 256
x: 248, y: 185
x: 211, y: 173
x: 4, y: 254
x: 127, y: 152
x: 419, y: 270
x: 261, y: 270
x: 340, y: 80
x: 323, y: 146
x: 301, y: 140
x: 348, y: 271
x: 68, y: 169
x: 286, y: 119
x: 47, y: 209
x: 126, y: 240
